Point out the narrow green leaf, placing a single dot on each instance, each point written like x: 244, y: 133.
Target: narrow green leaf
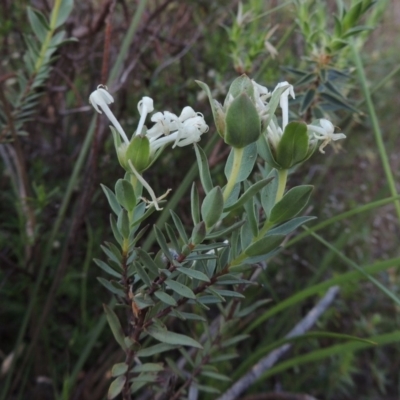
x: 307, y: 100
x: 204, y: 169
x: 112, y: 200
x: 225, y: 232
x: 181, y: 289
x: 148, y: 367
x: 292, y: 203
x: 110, y: 287
x: 166, y: 298
x: 249, y: 193
x: 175, y: 369
x: 172, y: 238
x: 148, y: 262
x: 106, y: 268
x: 264, y: 245
x: 216, y: 375
x: 212, y: 206
x: 179, y: 226
x: 192, y: 273
x: 156, y: 349
x: 163, y: 243
x: 64, y: 11
x: 290, y: 226
x: 116, y: 387
x: 142, y: 274
x: 38, y: 23
x: 205, y: 388
x: 119, y: 369
x: 115, y: 326
x: 169, y: 337
x: 195, y: 204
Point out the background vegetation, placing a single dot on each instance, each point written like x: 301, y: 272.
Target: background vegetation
x: 54, y: 339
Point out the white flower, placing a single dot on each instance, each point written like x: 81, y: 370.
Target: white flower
x: 284, y: 102
x: 325, y: 132
x: 101, y: 98
x: 145, y: 106
x: 261, y: 95
x: 182, y: 131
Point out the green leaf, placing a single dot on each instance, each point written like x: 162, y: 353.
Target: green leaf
x: 225, y: 232
x: 148, y: 262
x: 215, y: 375
x: 142, y: 274
x: 123, y: 223
x: 112, y: 200
x: 106, y: 268
x: 164, y: 336
x: 223, y: 357
x: 38, y: 23
x: 175, y: 369
x: 125, y: 194
x: 148, y: 367
x: 115, y: 326
x: 119, y: 369
x: 64, y: 11
x: 293, y: 146
x: 292, y: 203
x: 205, y: 388
x: 199, y: 233
x: 264, y: 245
x: 249, y: 193
x: 250, y: 309
x: 180, y: 289
x: 204, y: 170
x: 172, y: 238
x: 192, y: 273
x: 179, y: 226
x: 252, y: 217
x: 217, y: 111
x: 195, y: 204
x: 166, y: 298
x: 116, y: 387
x: 307, y: 101
x: 234, y: 340
x: 156, y: 349
x: 212, y: 206
x: 247, y: 163
x: 268, y: 194
x: 163, y: 243
x: 117, y: 235
x: 243, y: 125
x: 338, y: 102
x: 290, y: 226
x: 110, y: 287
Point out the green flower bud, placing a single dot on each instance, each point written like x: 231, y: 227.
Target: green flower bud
x: 243, y: 125
x: 237, y: 121
x: 137, y: 151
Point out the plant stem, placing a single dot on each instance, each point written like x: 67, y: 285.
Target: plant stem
x: 237, y: 162
x: 282, y: 178
x: 376, y: 128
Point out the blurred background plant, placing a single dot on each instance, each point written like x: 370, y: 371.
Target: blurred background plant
x: 54, y: 155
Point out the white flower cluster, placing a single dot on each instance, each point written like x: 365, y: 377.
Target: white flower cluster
x: 324, y: 130
x: 168, y: 128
